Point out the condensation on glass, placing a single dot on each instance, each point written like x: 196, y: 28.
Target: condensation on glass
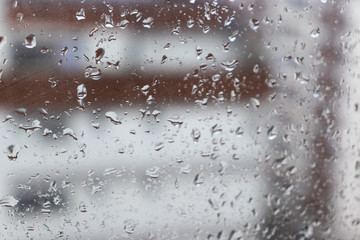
x: 234, y: 119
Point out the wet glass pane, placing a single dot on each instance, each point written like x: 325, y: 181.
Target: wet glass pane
x: 167, y: 119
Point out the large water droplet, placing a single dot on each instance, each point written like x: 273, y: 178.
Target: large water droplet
x: 148, y: 22
x: 70, y: 132
x: 80, y: 15
x: 81, y: 92
x: 8, y: 201
x: 99, y: 54
x: 12, y: 152
x: 82, y: 207
x: 153, y: 172
x: 216, y: 77
x: 129, y: 226
x: 3, y: 41
x: 34, y: 126
x: 315, y: 33
x: 109, y: 21
x: 123, y: 24
x: 254, y: 24
x: 271, y: 133
x: 114, y: 118
x: 30, y: 41
x: 195, y: 134
x: 230, y: 65
x: 93, y: 72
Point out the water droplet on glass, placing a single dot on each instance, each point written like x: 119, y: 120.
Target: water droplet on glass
x: 145, y: 89
x: 82, y: 207
x: 239, y: 131
x: 148, y: 22
x: 271, y: 133
x: 229, y: 65
x: 175, y: 120
x: 34, y: 126
x: 70, y: 132
x: 21, y: 111
x: 216, y: 77
x: 8, y: 201
x: 93, y: 31
x: 93, y: 72
x: 255, y: 102
x: 159, y: 146
x: 195, y: 134
x: 80, y: 15
x: 30, y: 41
x: 153, y: 172
x: 19, y: 16
x: 256, y: 68
x: 315, y: 33
x: 99, y: 54
x: 254, y: 24
x: 123, y: 24
x: 12, y: 152
x: 114, y: 118
x: 190, y: 23
x: 64, y: 51
x: 3, y: 41
x: 81, y: 92
x: 199, y: 179
x: 109, y: 21
x: 129, y: 226
x: 300, y: 77
x: 44, y: 50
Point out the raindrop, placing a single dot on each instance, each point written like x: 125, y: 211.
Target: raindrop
x: 109, y: 21
x: 209, y: 57
x: 255, y: 102
x: 80, y: 15
x: 163, y: 59
x: 216, y: 77
x: 153, y: 172
x: 159, y: 146
x: 64, y: 51
x: 129, y: 226
x: 81, y: 92
x: 256, y: 68
x: 93, y: 72
x: 114, y: 118
x: 239, y: 131
x: 3, y: 41
x: 8, y: 201
x: 148, y: 22
x: 99, y: 54
x: 175, y: 120
x: 21, y: 111
x: 30, y: 41
x: 13, y: 151
x: 190, y: 23
x: 19, y: 16
x: 254, y: 24
x: 82, y: 207
x: 195, y: 134
x: 123, y: 24
x: 145, y: 89
x: 44, y: 50
x: 70, y: 132
x: 199, y: 179
x: 271, y: 133
x: 230, y: 65
x: 315, y: 33
x: 34, y: 126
